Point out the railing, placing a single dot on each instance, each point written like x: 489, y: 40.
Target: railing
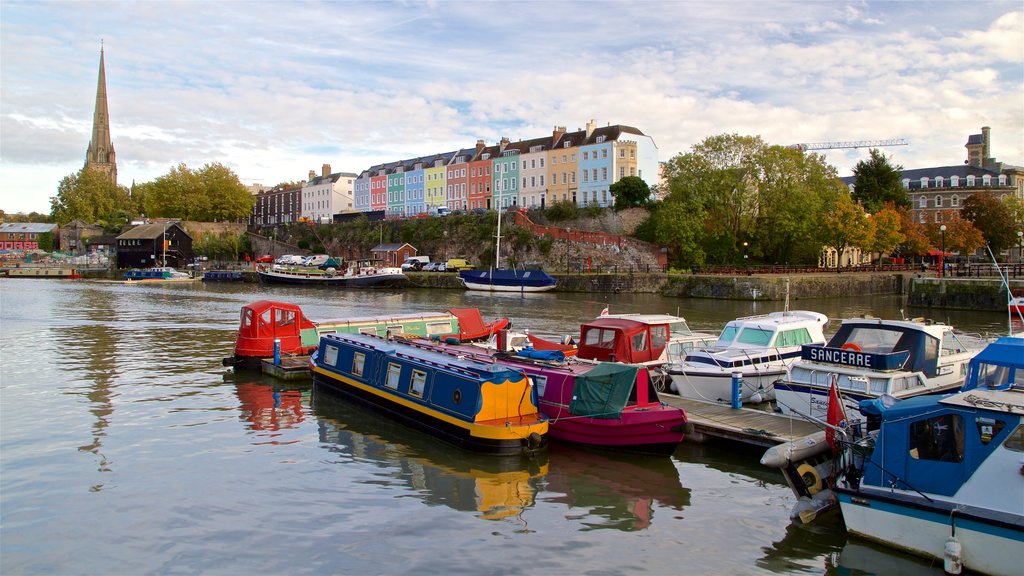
x: 1014, y: 270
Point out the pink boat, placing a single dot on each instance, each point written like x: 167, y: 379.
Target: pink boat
x: 607, y: 405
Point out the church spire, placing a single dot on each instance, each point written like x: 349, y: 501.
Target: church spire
x: 100, y: 154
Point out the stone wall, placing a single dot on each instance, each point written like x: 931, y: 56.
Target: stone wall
x: 965, y: 293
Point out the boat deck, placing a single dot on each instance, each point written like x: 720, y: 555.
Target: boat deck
x: 751, y: 426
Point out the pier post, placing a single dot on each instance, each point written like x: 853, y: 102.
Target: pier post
x: 737, y: 383
x: 277, y: 351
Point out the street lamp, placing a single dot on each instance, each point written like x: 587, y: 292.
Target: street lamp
x: 942, y: 257
x: 1020, y: 247
x: 745, y: 244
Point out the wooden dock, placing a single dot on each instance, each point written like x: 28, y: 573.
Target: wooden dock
x: 750, y: 426
x: 290, y: 368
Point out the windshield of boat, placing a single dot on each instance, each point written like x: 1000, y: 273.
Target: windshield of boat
x: 993, y: 375
x: 727, y: 335
x: 679, y: 330
x: 873, y: 339
x: 755, y: 336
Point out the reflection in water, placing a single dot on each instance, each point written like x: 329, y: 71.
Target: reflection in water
x: 494, y: 487
x: 859, y: 557
x: 804, y: 544
x: 271, y: 408
x: 617, y: 491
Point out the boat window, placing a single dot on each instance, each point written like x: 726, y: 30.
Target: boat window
x: 639, y: 342
x: 246, y: 318
x: 541, y: 382
x: 993, y: 376
x: 727, y: 335
x: 659, y: 335
x: 368, y: 330
x: 358, y: 359
x: 419, y: 382
x: 796, y: 337
x: 438, y: 328
x: 331, y: 355
x: 284, y: 318
x: 988, y: 428
x: 951, y: 344
x: 938, y: 438
x: 679, y: 330
x: 755, y: 336
x: 598, y: 337
x: 265, y: 318
x: 395, y: 329
x: 394, y: 372
x: 873, y: 340
x: 1015, y: 441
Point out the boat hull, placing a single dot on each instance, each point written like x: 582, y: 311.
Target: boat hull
x: 501, y: 280
x: 506, y: 288
x: 370, y: 281
x: 717, y: 386
x: 922, y: 527
x: 657, y: 432
x: 798, y: 399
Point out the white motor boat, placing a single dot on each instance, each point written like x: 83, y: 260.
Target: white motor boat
x: 758, y: 348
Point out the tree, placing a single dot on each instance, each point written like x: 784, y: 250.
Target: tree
x: 961, y: 236
x: 630, y: 192
x: 211, y: 193
x: 88, y: 195
x: 878, y: 182
x: 915, y: 235
x: 993, y: 218
x: 676, y: 225
x: 885, y: 231
x: 845, y: 225
x: 227, y: 197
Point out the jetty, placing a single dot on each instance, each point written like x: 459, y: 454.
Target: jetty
x: 751, y: 426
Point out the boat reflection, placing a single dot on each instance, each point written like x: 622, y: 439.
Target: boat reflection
x: 492, y: 487
x: 272, y: 408
x: 611, y: 490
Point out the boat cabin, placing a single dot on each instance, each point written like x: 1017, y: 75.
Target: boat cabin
x: 638, y: 338
x: 774, y: 330
x: 1000, y: 366
x: 266, y: 320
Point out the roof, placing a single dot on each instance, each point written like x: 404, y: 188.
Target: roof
x: 27, y: 227
x: 149, y: 231
x: 393, y: 247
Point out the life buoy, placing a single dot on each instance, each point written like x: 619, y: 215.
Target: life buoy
x: 851, y: 346
x: 810, y: 477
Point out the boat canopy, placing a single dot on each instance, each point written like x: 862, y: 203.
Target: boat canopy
x: 611, y: 339
x: 999, y: 366
x: 263, y: 321
x: 604, y: 391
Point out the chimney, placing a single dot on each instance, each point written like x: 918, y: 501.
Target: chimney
x: 557, y: 134
x: 479, y: 146
x: 504, y: 142
x: 312, y: 175
x: 986, y: 150
x: 590, y: 127
x: 327, y: 170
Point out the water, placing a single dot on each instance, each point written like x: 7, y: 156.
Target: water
x: 126, y: 448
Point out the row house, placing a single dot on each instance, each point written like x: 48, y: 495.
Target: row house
x: 280, y: 205
x: 935, y: 192
x: 24, y: 235
x: 327, y: 194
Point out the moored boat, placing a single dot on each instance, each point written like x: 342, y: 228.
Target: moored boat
x: 871, y: 357
x: 264, y: 321
x: 508, y: 280
x: 359, y: 275
x: 605, y: 405
x: 758, y: 348
x: 485, y: 408
x: 942, y: 476
x: 159, y: 273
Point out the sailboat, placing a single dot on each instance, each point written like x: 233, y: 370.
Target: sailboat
x: 498, y: 279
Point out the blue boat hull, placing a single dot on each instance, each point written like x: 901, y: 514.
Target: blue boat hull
x: 503, y: 280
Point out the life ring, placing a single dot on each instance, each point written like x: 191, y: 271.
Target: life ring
x: 851, y: 346
x: 810, y: 477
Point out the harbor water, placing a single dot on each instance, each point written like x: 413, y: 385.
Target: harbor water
x: 127, y: 448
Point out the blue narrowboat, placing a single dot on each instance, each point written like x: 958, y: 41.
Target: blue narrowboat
x: 483, y: 407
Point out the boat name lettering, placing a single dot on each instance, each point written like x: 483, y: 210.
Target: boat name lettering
x: 838, y: 356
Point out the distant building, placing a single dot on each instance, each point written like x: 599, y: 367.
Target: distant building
x: 76, y: 236
x: 276, y: 206
x: 100, y: 154
x: 938, y: 190
x: 327, y: 194
x: 155, y: 244
x: 23, y: 235
x: 391, y: 254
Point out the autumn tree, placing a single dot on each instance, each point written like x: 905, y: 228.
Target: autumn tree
x: 993, y: 217
x: 211, y: 193
x: 915, y: 235
x: 89, y: 195
x: 878, y: 182
x: 960, y: 235
x: 630, y: 192
x: 845, y: 225
x: 885, y: 231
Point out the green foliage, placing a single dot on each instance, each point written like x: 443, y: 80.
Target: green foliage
x: 878, y: 182
x: 212, y: 193
x: 885, y: 231
x: 845, y: 224
x: 22, y: 217
x: 561, y: 211
x: 87, y: 195
x: 630, y: 192
x: 592, y: 211
x: 304, y: 244
x: 223, y: 246
x: 45, y: 241
x: 678, y: 225
x: 994, y: 218
x: 544, y: 244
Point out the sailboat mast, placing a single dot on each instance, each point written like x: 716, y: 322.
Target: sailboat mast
x: 497, y: 245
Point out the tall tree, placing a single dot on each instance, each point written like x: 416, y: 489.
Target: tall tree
x: 877, y: 181
x: 227, y: 197
x: 630, y: 192
x: 993, y: 218
x: 885, y: 231
x: 845, y: 225
x: 915, y: 235
x: 211, y: 193
x: 88, y: 195
x: 960, y: 236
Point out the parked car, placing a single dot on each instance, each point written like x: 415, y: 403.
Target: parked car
x: 456, y: 264
x: 415, y: 263
x: 265, y: 259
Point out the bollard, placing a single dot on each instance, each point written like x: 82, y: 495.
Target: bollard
x: 737, y: 384
x: 277, y: 351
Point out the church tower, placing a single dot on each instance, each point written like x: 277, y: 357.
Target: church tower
x: 100, y: 154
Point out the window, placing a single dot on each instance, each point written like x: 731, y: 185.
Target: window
x: 795, y: 337
x: 394, y: 372
x: 586, y: 155
x: 622, y: 152
x: 954, y: 201
x: 659, y: 335
x: 923, y: 202
x: 604, y: 151
x: 639, y: 342
x: 939, y: 438
x: 539, y: 383
x: 331, y: 355
x: 358, y: 360
x: 924, y: 182
x: 418, y: 383
x: 938, y: 201
x: 755, y: 336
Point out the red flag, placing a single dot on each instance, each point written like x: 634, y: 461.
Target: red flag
x: 605, y: 311
x: 836, y: 415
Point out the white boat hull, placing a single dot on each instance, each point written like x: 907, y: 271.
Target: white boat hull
x: 717, y: 386
x: 505, y: 288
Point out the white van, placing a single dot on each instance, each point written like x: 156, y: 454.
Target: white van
x: 440, y: 211
x: 316, y: 260
x: 415, y: 262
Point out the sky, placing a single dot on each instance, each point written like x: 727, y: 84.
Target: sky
x: 273, y: 90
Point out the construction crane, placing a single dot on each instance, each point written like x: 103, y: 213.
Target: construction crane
x: 853, y: 144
